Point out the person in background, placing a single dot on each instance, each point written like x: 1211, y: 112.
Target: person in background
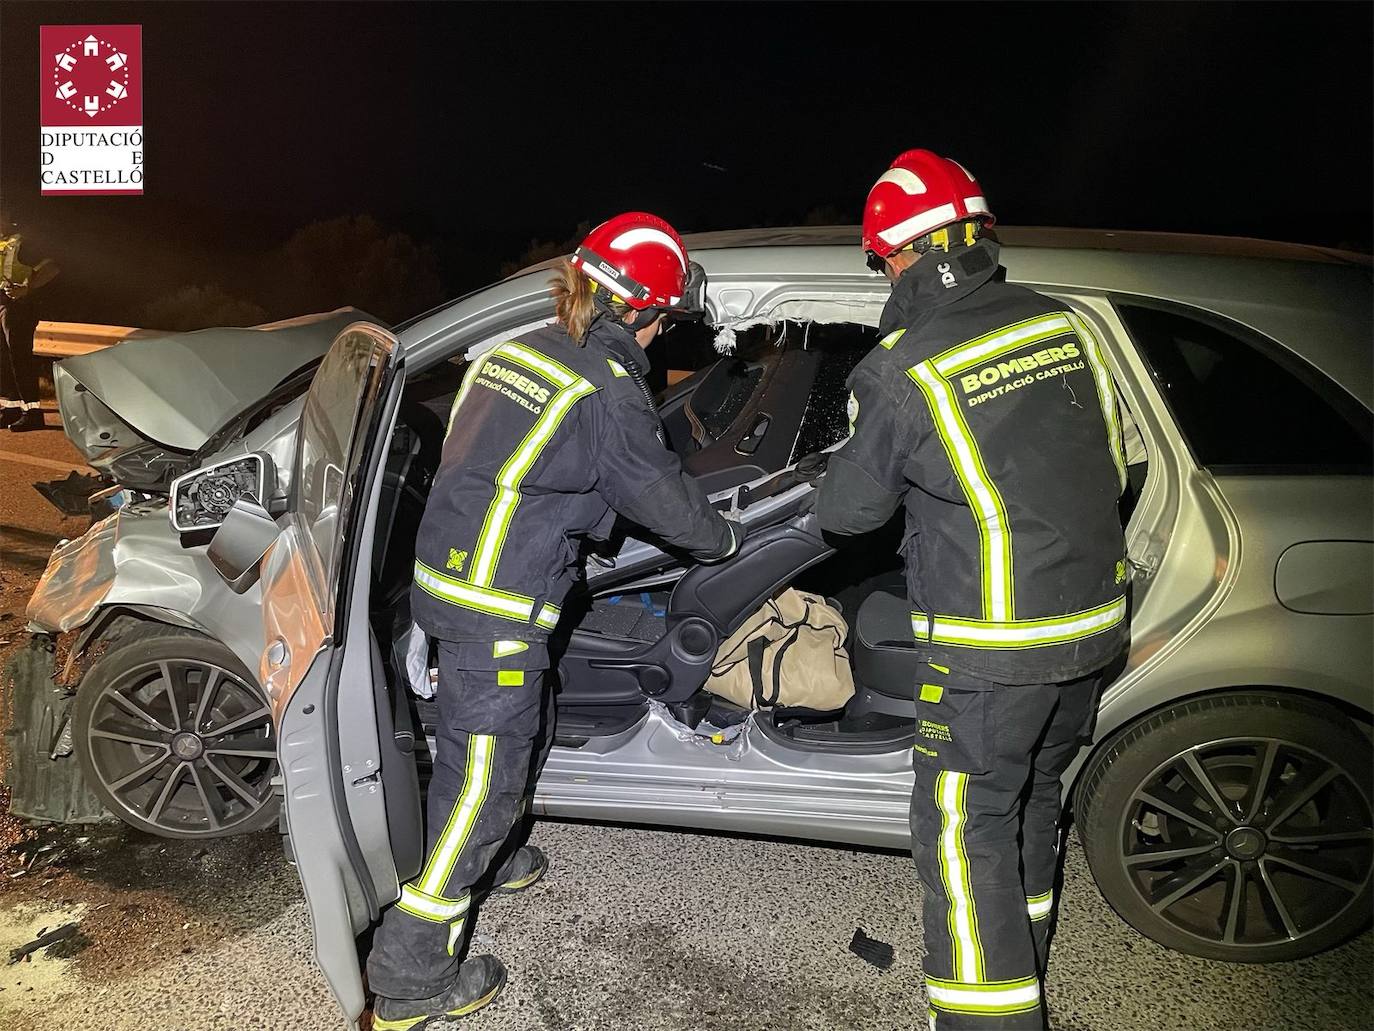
x: 19, y: 407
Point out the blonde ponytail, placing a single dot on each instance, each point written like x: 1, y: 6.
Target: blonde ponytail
x: 572, y: 300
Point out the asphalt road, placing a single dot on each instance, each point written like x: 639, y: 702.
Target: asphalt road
x: 633, y: 929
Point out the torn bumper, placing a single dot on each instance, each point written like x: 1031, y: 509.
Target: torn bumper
x: 133, y: 561
x: 44, y: 777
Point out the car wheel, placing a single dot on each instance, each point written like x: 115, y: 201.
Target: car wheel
x: 1234, y: 827
x: 176, y: 737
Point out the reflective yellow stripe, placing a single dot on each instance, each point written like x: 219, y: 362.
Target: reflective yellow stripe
x: 951, y: 791
x: 481, y: 748
x: 483, y: 599
x: 984, y: 997
x: 616, y: 368
x: 1106, y: 395
x: 1000, y: 341
x: 491, y: 539
x: 455, y: 931
x: 510, y: 677
x: 430, y: 907
x: 890, y: 341
x: 994, y: 535
x: 1022, y: 633
x: 999, y: 627
x: 474, y: 369
x: 1040, y: 906
x: 537, y: 361
x: 500, y: 649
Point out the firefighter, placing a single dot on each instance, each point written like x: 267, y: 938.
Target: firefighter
x: 989, y: 412
x: 549, y: 437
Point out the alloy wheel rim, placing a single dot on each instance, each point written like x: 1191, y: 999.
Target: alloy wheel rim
x: 1248, y: 842
x: 185, y: 745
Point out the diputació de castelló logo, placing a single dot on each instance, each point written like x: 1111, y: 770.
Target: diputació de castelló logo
x: 91, y: 110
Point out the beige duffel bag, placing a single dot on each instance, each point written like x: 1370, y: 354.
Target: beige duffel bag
x: 790, y: 652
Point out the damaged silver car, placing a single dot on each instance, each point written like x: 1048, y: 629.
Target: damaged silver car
x: 250, y: 597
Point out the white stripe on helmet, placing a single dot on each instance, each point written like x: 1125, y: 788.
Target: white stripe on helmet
x: 644, y: 234
x: 619, y: 289
x: 976, y: 206
x: 918, y: 225
x: 909, y: 182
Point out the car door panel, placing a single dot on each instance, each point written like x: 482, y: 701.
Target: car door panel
x: 321, y: 662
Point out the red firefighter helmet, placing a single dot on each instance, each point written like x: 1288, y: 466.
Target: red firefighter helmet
x: 638, y: 257
x: 918, y: 194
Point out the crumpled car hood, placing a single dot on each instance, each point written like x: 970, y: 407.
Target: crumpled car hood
x: 176, y: 390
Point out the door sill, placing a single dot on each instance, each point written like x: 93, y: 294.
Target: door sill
x: 886, y: 734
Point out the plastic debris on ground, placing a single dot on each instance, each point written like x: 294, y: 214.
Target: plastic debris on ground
x: 870, y: 950
x: 43, y: 941
x: 72, y: 495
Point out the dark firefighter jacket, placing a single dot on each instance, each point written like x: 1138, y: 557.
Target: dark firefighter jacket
x: 990, y: 411
x: 545, y: 439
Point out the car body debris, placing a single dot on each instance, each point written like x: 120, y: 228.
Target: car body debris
x: 871, y: 950
x: 45, y: 939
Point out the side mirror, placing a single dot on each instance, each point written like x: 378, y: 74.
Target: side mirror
x: 243, y: 538
x: 201, y: 498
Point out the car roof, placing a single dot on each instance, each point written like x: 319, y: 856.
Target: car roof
x: 1316, y: 301
x: 1046, y: 236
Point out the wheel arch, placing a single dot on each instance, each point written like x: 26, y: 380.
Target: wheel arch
x: 111, y: 622
x: 1135, y: 715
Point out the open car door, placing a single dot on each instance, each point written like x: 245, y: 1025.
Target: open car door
x: 350, y: 784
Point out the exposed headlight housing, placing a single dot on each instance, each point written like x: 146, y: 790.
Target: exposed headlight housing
x: 203, y: 497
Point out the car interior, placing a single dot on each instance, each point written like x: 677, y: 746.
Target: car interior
x: 648, y: 623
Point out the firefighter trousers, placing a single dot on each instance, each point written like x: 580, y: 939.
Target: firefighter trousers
x: 985, y: 814
x: 493, y: 735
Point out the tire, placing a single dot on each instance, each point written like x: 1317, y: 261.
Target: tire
x: 1268, y: 792
x: 199, y: 768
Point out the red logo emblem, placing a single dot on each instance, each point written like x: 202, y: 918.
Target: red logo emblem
x: 91, y: 107
x: 92, y: 74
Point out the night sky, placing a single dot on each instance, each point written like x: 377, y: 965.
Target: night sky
x: 476, y: 129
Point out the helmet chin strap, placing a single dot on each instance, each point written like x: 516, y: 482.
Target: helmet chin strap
x: 643, y: 319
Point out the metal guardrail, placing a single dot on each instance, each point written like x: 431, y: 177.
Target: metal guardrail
x: 67, y: 339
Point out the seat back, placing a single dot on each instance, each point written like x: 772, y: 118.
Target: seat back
x: 885, y: 658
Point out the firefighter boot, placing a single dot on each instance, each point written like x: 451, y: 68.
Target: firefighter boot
x: 31, y: 419
x: 479, y: 981
x: 526, y: 866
